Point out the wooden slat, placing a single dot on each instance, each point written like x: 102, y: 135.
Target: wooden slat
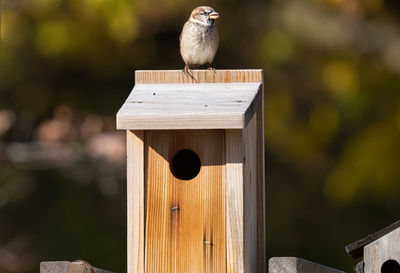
x: 234, y: 201
x: 355, y: 250
x: 245, y: 199
x: 250, y: 196
x: 383, y: 249
x: 135, y: 201
x: 297, y: 265
x: 190, y: 106
x: 261, y: 225
x: 191, y: 237
x: 68, y: 267
x: 201, y: 76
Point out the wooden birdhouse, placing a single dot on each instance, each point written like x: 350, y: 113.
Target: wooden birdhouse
x: 380, y: 251
x: 195, y: 165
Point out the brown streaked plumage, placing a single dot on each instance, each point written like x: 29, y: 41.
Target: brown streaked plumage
x: 199, y: 38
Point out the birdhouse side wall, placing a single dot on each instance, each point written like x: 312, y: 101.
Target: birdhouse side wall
x: 250, y: 196
x: 245, y: 198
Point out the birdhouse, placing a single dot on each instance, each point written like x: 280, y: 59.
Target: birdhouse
x: 380, y: 251
x: 195, y: 171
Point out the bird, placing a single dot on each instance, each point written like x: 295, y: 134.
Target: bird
x: 199, y: 39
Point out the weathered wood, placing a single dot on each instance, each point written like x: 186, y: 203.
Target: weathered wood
x: 360, y: 267
x: 135, y: 201
x: 201, y: 76
x: 261, y: 248
x: 250, y: 196
x: 297, y: 265
x: 185, y: 218
x: 68, y: 267
x: 355, y: 250
x: 189, y: 106
x: 234, y: 201
x: 381, y: 250
x: 245, y: 221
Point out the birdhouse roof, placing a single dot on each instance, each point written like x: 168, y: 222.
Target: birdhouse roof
x: 190, y: 105
x: 355, y: 250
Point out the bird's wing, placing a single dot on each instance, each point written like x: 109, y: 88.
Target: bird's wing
x: 183, y: 29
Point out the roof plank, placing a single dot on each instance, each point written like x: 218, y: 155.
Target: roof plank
x: 190, y: 106
x: 355, y: 250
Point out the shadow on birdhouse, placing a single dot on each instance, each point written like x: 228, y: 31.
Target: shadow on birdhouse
x: 195, y: 164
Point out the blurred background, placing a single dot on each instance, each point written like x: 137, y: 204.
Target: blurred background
x: 332, y: 119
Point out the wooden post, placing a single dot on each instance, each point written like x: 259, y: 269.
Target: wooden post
x: 215, y: 220
x: 297, y: 265
x: 69, y: 267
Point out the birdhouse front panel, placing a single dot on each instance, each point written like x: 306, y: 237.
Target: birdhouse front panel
x: 185, y: 225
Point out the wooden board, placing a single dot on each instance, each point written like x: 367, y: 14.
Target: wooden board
x: 250, y: 197
x: 185, y: 229
x: 297, y: 265
x: 234, y: 202
x: 189, y: 106
x: 379, y: 251
x: 200, y: 76
x: 355, y: 250
x: 135, y: 201
x: 261, y: 217
x: 245, y: 199
x: 68, y: 267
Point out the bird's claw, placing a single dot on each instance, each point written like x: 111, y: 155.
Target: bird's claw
x: 186, y: 70
x: 212, y: 69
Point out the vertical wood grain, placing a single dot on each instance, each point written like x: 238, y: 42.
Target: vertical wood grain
x: 383, y: 249
x: 244, y: 202
x: 250, y: 196
x: 135, y: 201
x: 234, y: 201
x: 191, y: 238
x: 261, y: 217
x: 201, y: 76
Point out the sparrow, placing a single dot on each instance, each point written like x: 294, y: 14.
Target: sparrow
x: 199, y: 38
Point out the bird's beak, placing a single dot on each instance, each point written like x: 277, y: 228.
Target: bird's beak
x: 213, y: 15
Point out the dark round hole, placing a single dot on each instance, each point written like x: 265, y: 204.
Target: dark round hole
x: 390, y: 266
x: 185, y: 165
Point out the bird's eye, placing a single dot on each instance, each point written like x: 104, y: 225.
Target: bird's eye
x: 203, y: 13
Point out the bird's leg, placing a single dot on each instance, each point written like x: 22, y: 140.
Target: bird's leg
x: 211, y: 68
x: 188, y: 72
